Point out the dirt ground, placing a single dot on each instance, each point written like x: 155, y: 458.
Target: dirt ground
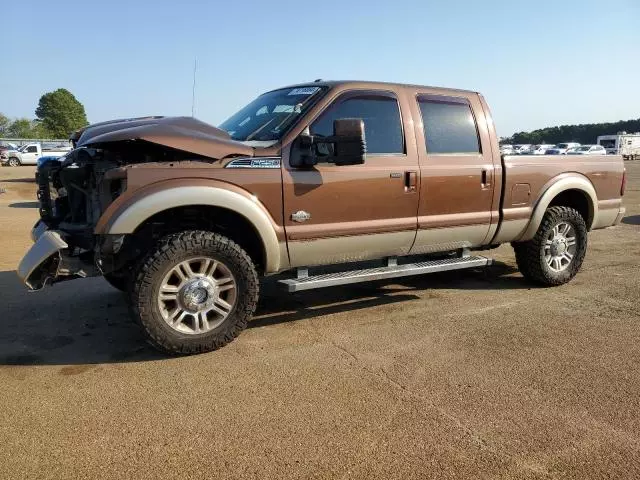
x: 459, y: 375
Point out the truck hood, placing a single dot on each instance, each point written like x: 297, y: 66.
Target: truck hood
x: 182, y: 133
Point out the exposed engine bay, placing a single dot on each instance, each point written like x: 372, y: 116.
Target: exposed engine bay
x: 74, y: 191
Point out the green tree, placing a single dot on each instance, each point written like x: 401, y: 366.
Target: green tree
x: 583, y: 133
x: 20, y: 128
x: 61, y: 113
x: 4, y: 124
x: 38, y: 130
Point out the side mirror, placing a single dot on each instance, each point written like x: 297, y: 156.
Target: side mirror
x: 351, y: 145
x: 348, y: 145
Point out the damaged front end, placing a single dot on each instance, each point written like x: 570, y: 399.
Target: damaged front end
x: 72, y: 194
x: 75, y: 191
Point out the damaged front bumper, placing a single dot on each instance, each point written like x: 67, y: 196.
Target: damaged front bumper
x: 49, y: 260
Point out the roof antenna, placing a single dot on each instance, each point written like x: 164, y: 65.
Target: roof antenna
x: 193, y: 90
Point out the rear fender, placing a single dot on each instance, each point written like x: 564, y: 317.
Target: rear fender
x: 552, y: 189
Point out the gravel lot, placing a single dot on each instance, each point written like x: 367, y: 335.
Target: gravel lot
x: 458, y: 375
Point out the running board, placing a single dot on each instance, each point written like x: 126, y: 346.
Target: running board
x: 380, y: 273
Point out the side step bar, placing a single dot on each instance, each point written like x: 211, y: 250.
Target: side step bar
x: 304, y: 282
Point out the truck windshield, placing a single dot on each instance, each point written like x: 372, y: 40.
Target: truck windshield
x: 271, y: 114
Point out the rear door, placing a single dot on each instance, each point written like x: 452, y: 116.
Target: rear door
x: 336, y: 214
x: 457, y: 207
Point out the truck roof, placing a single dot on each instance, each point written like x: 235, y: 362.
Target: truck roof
x: 373, y: 85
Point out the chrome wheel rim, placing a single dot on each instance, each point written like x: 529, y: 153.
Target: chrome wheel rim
x: 13, y: 162
x: 560, y: 247
x: 197, y: 295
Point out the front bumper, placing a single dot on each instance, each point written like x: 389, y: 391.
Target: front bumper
x: 42, y: 261
x: 49, y: 260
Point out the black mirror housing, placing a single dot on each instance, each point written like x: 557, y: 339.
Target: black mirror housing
x: 348, y: 138
x: 351, y: 145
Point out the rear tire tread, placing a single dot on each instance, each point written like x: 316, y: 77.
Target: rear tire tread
x: 529, y: 253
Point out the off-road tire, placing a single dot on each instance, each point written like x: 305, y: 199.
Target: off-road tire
x: 118, y: 281
x: 171, y: 250
x: 530, y: 254
x: 14, y: 162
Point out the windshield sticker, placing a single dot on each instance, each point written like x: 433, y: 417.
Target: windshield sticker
x: 304, y: 91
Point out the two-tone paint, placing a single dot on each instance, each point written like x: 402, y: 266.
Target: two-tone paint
x: 392, y: 205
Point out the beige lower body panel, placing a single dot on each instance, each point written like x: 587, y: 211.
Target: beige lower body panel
x: 608, y: 217
x: 511, y: 230
x: 326, y: 251
x: 435, y: 240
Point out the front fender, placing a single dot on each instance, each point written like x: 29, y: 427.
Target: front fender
x: 125, y: 219
x: 555, y: 187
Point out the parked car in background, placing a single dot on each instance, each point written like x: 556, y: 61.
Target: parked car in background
x: 588, y: 150
x: 506, y: 149
x: 28, y: 154
x: 8, y: 146
x: 561, y: 148
x: 540, y: 149
x: 521, y: 149
x: 623, y: 143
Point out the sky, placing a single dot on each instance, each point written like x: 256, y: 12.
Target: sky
x: 538, y: 63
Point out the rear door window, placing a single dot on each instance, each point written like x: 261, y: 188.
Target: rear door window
x: 449, y: 126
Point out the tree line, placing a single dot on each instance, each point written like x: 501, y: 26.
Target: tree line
x: 583, y: 133
x: 58, y: 114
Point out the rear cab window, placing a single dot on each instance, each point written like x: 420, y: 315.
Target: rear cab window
x: 449, y: 125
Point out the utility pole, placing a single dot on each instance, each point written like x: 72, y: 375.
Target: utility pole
x: 193, y: 91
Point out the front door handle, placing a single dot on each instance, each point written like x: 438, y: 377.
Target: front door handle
x: 410, y: 182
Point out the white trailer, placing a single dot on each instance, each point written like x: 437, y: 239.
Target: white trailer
x: 622, y: 143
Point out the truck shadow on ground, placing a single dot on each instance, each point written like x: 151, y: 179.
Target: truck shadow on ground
x: 24, y: 205
x: 632, y: 220
x: 87, y: 321
x: 19, y: 180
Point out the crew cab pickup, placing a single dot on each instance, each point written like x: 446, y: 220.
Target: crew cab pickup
x: 323, y: 184
x: 30, y: 153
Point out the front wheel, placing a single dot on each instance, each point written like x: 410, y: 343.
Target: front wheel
x: 194, y: 292
x: 555, y: 254
x: 13, y: 162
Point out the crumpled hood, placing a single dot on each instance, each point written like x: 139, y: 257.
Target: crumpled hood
x: 182, y: 133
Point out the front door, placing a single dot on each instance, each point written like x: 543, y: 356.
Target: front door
x: 336, y: 214
x: 457, y: 204
x: 30, y: 155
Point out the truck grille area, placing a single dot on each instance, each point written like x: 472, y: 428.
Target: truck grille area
x: 45, y: 186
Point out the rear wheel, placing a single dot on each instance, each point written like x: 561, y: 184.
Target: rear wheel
x: 195, y: 292
x: 13, y: 162
x: 555, y: 254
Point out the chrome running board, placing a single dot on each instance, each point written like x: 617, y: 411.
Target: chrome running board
x: 308, y: 282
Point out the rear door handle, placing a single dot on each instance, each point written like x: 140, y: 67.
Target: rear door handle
x: 410, y: 182
x: 485, y: 177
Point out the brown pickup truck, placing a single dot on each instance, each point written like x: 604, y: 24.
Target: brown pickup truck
x: 325, y: 183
